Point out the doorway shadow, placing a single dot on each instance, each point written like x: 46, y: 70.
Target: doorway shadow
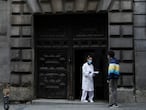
x: 100, y: 63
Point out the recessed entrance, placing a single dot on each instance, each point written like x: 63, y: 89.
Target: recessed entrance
x: 99, y: 62
x: 61, y: 45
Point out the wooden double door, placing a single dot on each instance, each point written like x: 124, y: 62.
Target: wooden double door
x: 62, y: 43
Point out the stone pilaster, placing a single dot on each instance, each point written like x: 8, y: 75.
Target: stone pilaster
x: 140, y: 48
x: 121, y: 40
x: 21, y: 51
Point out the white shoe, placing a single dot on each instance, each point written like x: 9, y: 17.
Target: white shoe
x: 114, y: 106
x: 91, y: 101
x: 85, y: 101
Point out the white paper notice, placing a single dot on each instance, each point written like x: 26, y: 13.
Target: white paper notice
x: 96, y: 72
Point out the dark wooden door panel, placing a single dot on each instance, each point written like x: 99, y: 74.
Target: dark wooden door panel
x: 52, y: 72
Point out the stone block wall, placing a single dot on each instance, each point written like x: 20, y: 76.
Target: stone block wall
x: 4, y: 46
x: 140, y: 48
x: 4, y: 42
x: 21, y: 57
x: 121, y: 40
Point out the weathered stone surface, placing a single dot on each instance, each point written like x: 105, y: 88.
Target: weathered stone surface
x: 26, y: 9
x: 46, y: 7
x: 140, y: 45
x: 21, y: 66
x: 16, y: 54
x: 139, y: 20
x: 126, y: 67
x: 21, y: 20
x: 27, y: 80
x: 119, y: 82
x: 21, y: 93
x: 115, y: 30
x: 16, y: 19
x: 15, y: 30
x: 140, y: 36
x: 121, y: 42
x: 140, y: 96
x: 23, y: 80
x: 127, y: 30
x: 4, y: 63
x: 3, y: 17
x: 21, y: 42
x: 4, y: 56
x: 5, y: 72
x: 128, y: 80
x: 92, y: 5
x: 34, y: 6
x: 140, y: 8
x: 27, y: 54
x: 3, y: 41
x: 140, y: 70
x: 126, y: 5
x: 116, y: 5
x: 126, y: 95
x: 15, y: 79
x: 69, y: 6
x: 121, y: 17
x: 57, y: 5
x: 1, y: 92
x: 16, y: 8
x: 27, y: 30
x: 117, y: 54
x: 80, y: 5
x: 140, y: 33
x: 19, y: 8
x: 104, y: 4
x: 127, y: 55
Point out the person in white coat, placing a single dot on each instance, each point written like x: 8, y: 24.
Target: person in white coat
x: 87, y: 80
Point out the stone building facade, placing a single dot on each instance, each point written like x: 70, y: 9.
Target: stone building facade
x: 126, y: 35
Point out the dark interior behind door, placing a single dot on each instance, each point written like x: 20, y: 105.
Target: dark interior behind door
x: 99, y: 62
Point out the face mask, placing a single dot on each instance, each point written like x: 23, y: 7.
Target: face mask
x: 89, y: 62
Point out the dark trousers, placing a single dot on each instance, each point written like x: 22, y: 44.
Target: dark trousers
x: 6, y: 102
x: 113, y: 91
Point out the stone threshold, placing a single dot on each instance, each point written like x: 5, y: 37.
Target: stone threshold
x: 65, y: 101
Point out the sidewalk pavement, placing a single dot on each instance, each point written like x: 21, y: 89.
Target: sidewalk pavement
x: 72, y: 105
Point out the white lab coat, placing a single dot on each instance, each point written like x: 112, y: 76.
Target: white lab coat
x: 87, y: 77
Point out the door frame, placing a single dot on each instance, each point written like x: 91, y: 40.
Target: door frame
x: 70, y: 76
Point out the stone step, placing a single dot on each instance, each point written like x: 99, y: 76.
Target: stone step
x: 65, y: 101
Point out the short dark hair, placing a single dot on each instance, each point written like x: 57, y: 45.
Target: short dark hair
x: 89, y: 56
x: 111, y: 53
